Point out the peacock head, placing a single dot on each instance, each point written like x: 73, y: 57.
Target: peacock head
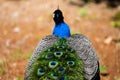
x: 58, y: 16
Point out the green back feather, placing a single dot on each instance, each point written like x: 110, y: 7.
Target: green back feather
x: 58, y: 62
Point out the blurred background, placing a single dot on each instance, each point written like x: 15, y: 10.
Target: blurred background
x: 24, y: 22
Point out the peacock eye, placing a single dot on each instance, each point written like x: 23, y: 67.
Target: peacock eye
x: 48, y: 56
x: 53, y: 64
x: 61, y: 70
x: 58, y: 54
x: 63, y: 78
x: 71, y: 63
x: 54, y: 75
x: 40, y: 72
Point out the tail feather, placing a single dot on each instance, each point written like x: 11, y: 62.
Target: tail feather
x: 72, y: 58
x: 58, y: 62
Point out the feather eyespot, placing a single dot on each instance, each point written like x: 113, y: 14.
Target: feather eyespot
x: 54, y: 75
x: 53, y: 64
x: 58, y: 54
x: 48, y: 56
x: 40, y: 72
x: 61, y: 70
x: 63, y: 78
x: 71, y: 63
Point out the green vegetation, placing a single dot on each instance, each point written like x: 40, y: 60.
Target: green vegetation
x: 17, y: 53
x: 115, y: 24
x: 117, y: 16
x: 28, y: 55
x: 19, y: 78
x: 2, y: 69
x: 116, y: 40
x: 77, y: 32
x: 103, y: 70
x: 82, y: 12
x: 116, y: 21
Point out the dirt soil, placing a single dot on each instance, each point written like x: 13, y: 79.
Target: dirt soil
x: 24, y: 22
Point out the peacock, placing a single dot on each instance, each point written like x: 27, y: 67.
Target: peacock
x: 62, y: 56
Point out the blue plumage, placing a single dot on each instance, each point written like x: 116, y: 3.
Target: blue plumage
x: 61, y: 30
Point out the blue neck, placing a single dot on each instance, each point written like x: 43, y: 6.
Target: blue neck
x: 61, y: 30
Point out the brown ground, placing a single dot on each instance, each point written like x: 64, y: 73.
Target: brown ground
x: 24, y: 22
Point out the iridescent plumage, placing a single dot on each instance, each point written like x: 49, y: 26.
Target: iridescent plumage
x: 63, y: 56
x: 62, y: 63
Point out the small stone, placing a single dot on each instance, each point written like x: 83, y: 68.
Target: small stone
x: 108, y: 40
x: 5, y: 32
x: 97, y: 39
x: 16, y: 29
x: 8, y: 42
x: 14, y: 64
x: 15, y: 14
